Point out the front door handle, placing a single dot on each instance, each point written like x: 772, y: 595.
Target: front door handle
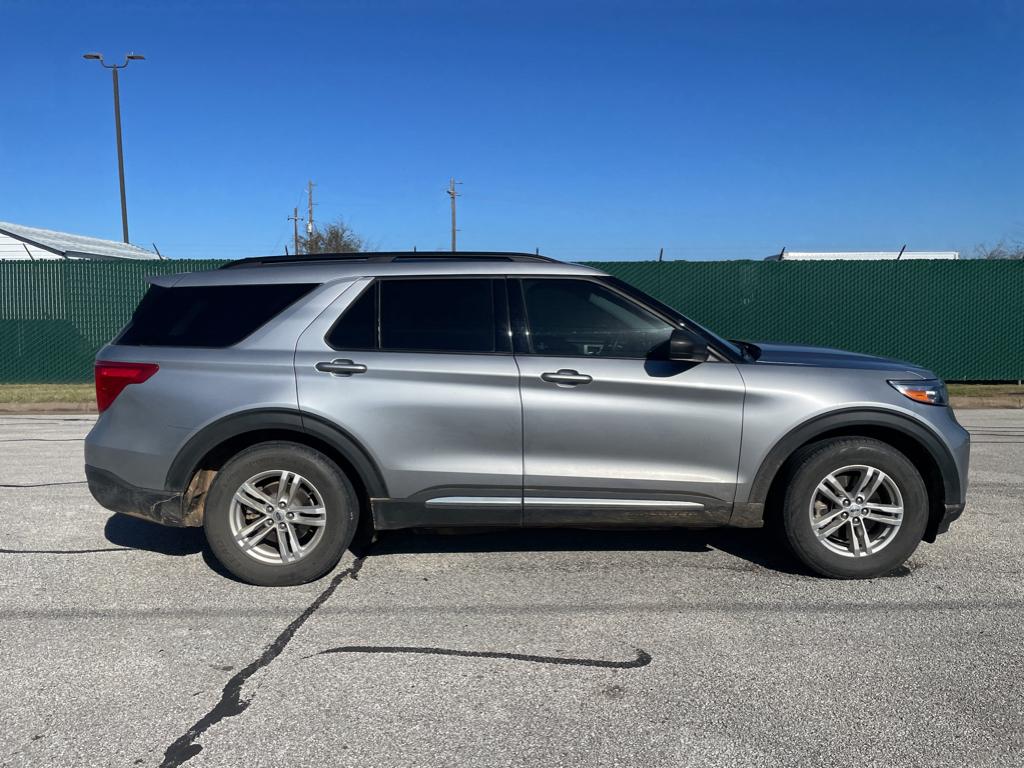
x: 566, y: 377
x: 340, y: 367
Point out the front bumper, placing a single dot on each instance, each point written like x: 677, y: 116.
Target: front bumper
x: 951, y: 513
x: 959, y: 441
x: 164, y: 507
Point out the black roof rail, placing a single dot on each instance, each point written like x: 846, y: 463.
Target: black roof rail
x: 387, y: 256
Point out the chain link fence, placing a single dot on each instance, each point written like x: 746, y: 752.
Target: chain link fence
x: 963, y: 319
x: 55, y: 315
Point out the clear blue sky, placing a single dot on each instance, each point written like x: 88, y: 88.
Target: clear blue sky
x: 594, y: 130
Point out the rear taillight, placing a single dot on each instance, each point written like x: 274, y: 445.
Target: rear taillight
x: 111, y: 378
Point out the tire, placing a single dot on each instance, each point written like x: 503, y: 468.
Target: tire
x: 825, y: 525
x: 315, y: 528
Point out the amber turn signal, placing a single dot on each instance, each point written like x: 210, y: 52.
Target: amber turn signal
x: 927, y: 391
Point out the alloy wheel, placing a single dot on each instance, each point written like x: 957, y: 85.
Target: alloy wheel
x: 277, y: 517
x: 856, y: 511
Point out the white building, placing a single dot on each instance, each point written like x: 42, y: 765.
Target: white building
x: 20, y: 243
x: 861, y: 255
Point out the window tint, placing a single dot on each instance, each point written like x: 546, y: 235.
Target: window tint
x: 206, y: 316
x: 357, y: 327
x: 580, y: 318
x: 668, y: 311
x: 443, y: 315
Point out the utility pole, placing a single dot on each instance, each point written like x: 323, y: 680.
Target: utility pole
x: 453, y: 194
x: 295, y: 219
x: 117, y: 124
x: 309, y: 219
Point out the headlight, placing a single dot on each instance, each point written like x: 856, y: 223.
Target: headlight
x: 927, y: 391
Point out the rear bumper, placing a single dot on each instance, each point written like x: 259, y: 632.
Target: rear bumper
x: 115, y: 494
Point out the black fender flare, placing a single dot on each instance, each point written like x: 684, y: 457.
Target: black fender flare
x: 857, y: 417
x: 187, y: 461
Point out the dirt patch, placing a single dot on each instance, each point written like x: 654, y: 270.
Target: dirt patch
x: 35, y: 408
x: 986, y: 401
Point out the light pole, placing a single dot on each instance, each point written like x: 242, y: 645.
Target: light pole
x: 117, y: 123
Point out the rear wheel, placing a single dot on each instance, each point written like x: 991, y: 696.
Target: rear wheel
x: 854, y: 508
x: 280, y: 514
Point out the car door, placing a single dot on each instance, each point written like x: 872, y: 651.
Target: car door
x: 612, y: 430
x: 419, y: 372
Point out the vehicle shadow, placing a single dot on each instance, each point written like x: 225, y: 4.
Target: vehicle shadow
x: 135, y: 533
x: 756, y: 547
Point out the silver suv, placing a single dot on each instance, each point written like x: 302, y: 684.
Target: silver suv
x: 282, y: 402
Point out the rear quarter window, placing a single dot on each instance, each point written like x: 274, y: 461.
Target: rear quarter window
x: 207, y: 316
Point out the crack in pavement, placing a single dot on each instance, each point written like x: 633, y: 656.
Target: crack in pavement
x: 42, y: 485
x: 642, y: 657
x: 9, y: 420
x: 43, y: 440
x: 64, y: 551
x: 231, y: 703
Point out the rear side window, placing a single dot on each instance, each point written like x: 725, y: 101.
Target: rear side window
x: 206, y: 316
x: 357, y: 328
x: 437, y: 315
x: 454, y: 315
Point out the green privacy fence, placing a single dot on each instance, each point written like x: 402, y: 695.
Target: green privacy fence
x: 964, y: 319
x: 55, y: 315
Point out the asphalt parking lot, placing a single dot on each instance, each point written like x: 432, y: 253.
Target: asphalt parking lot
x: 123, y: 644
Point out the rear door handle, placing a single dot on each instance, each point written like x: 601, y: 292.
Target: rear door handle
x: 340, y: 367
x: 566, y: 377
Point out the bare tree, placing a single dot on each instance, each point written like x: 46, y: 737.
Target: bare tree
x: 1001, y: 250
x: 336, y: 237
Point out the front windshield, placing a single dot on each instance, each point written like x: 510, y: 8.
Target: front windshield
x: 665, y: 309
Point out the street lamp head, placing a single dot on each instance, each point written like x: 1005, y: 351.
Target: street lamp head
x: 97, y: 56
x: 135, y: 56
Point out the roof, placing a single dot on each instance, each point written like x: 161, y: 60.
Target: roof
x: 75, y: 246
x: 385, y: 256
x: 444, y: 263
x: 864, y: 255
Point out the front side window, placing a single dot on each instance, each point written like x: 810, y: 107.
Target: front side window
x: 581, y: 318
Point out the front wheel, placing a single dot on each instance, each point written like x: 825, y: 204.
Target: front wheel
x: 854, y: 508
x: 280, y: 514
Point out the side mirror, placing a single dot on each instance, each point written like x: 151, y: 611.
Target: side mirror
x: 685, y: 347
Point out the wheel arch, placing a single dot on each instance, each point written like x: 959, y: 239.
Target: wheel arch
x: 196, y: 464
x: 912, y: 438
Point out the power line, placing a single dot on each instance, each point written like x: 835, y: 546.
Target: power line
x: 295, y: 219
x: 278, y: 240
x: 309, y: 220
x: 453, y: 194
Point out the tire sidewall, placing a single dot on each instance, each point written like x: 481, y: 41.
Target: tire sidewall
x: 823, y: 458
x: 340, y: 502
